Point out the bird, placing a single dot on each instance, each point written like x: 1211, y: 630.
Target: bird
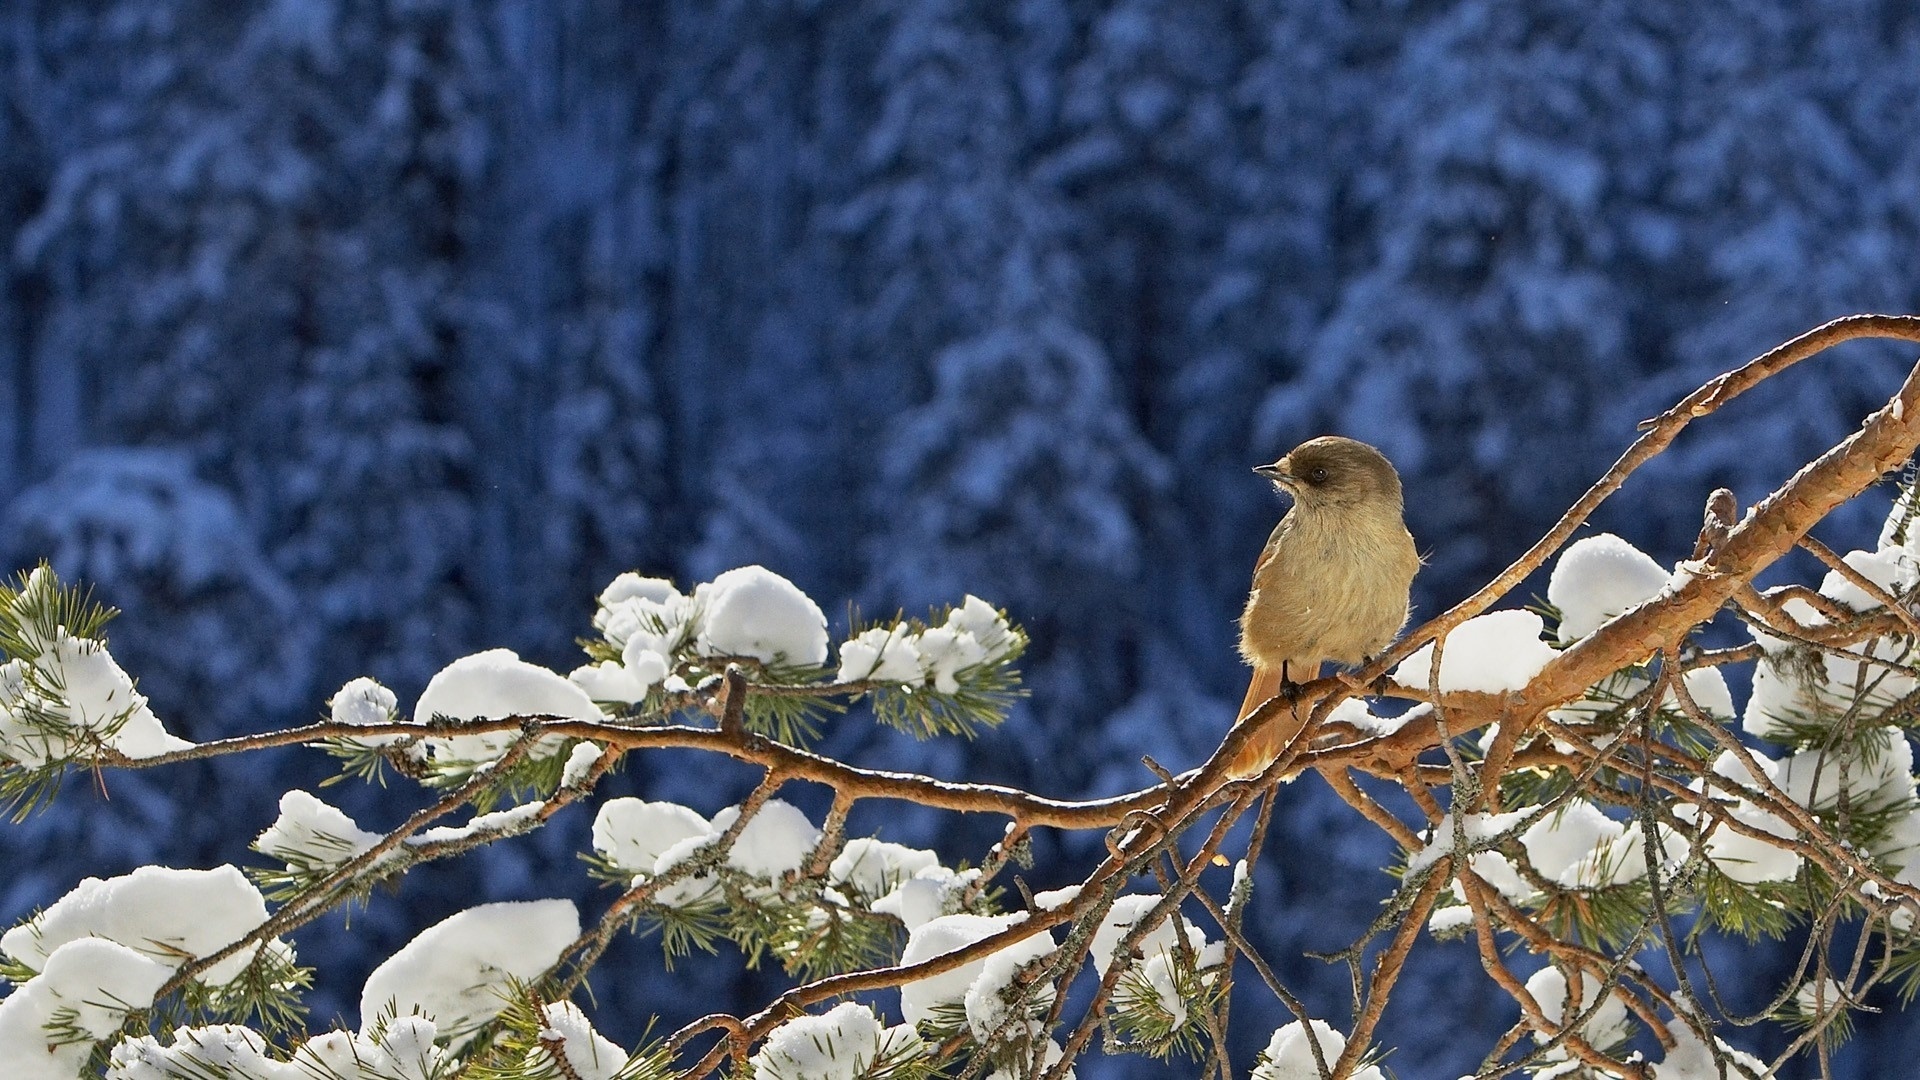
x: 1332, y: 583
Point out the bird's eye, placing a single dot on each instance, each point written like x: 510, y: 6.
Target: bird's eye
x: 1318, y: 476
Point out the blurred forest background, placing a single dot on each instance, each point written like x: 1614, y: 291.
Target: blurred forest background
x: 345, y: 337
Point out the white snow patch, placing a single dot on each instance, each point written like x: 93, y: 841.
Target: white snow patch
x: 580, y: 761
x: 1052, y: 899
x: 457, y: 970
x: 1607, y: 1026
x: 775, y: 842
x: 1597, y: 578
x: 588, y: 1055
x: 310, y: 833
x: 1690, y: 1059
x: 926, y: 896
x: 633, y: 834
x: 493, y: 685
x: 76, y: 682
x: 881, y: 654
x: 217, y: 1050
x: 752, y: 611
x: 986, y: 997
x: 511, y: 821
x: 1289, y: 1054
x: 89, y: 982
x: 841, y: 1044
x: 1891, y: 568
x: 405, y: 1050
x: 363, y: 702
x: 1491, y: 653
x: 873, y: 868
x: 937, y: 937
x: 1120, y: 919
x: 169, y: 915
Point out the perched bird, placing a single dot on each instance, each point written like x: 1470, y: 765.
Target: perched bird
x: 1331, y: 583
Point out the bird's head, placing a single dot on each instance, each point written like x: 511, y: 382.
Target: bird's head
x: 1335, y: 471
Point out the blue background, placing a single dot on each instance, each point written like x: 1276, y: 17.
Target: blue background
x: 349, y: 337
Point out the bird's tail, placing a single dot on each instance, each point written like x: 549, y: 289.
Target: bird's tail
x: 1258, y: 752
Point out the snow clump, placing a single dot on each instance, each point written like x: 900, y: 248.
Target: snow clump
x: 493, y: 685
x: 922, y: 998
x: 1606, y: 1027
x: 458, y: 971
x: 1597, y: 578
x: 171, y: 916
x: 311, y: 834
x: 76, y: 684
x: 588, y: 1054
x: 1289, y: 1054
x: 841, y: 1044
x: 1489, y: 654
x: 752, y: 611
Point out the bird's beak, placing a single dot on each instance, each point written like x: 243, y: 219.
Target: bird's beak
x: 1275, y: 472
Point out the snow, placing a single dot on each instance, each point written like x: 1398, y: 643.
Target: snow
x: 1606, y: 1027
x: 1477, y: 829
x: 633, y: 834
x: 1782, y: 700
x: 873, y: 868
x: 1354, y: 711
x: 457, y: 970
x: 169, y: 915
x: 1708, y: 689
x: 985, y: 624
x: 624, y: 681
x: 1891, y: 568
x: 405, y: 1050
x: 946, y: 651
x: 512, y: 820
x: 1690, y: 1059
x: 1489, y: 654
x: 881, y: 654
x: 1048, y: 1056
x: 1121, y: 917
x: 631, y: 586
x: 1289, y: 1054
x: 936, y: 937
x: 493, y: 685
x: 775, y: 842
x: 77, y: 684
x: 836, y: 1045
x: 1157, y: 973
x: 363, y: 702
x: 1747, y: 859
x: 1880, y: 775
x: 973, y: 634
x: 986, y: 997
x: 752, y: 611
x: 588, y: 1055
x: 1052, y: 899
x: 927, y: 895
x: 195, y: 1052
x: 1820, y: 997
x: 1561, y: 845
x: 88, y: 982
x: 661, y: 622
x: 1597, y: 578
x: 580, y: 762
x: 312, y: 833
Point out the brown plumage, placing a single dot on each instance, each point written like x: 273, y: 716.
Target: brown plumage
x: 1331, y: 583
